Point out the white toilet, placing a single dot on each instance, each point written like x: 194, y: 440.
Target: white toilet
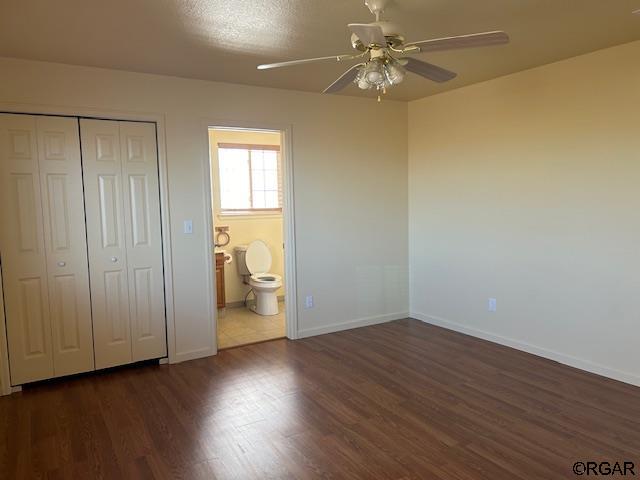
x: 254, y: 262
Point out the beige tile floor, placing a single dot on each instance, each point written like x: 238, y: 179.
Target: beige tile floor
x: 240, y: 326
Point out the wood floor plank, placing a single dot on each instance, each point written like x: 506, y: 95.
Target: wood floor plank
x: 402, y: 400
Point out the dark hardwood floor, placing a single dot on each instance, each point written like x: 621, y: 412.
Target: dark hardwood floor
x: 402, y: 400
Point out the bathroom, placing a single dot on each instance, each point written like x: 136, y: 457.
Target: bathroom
x: 247, y: 203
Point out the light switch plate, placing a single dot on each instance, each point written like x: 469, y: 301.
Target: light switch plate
x: 188, y: 227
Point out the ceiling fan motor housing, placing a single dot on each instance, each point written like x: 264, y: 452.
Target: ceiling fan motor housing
x: 376, y: 6
x: 391, y: 32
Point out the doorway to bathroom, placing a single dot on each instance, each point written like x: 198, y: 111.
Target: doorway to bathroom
x: 249, y: 206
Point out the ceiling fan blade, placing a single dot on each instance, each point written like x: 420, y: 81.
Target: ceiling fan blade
x: 336, y: 58
x: 369, y: 34
x: 427, y: 70
x: 463, y: 41
x: 345, y: 79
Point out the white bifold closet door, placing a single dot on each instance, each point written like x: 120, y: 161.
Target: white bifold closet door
x: 43, y: 248
x: 122, y: 201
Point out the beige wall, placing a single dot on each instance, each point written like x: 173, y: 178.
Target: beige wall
x: 527, y: 189
x: 243, y: 229
x: 524, y: 188
x: 350, y: 185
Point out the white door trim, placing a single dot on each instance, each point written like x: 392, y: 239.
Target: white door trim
x: 105, y: 114
x: 5, y: 380
x: 291, y: 303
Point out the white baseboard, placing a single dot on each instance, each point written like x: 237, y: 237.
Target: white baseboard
x: 240, y: 303
x: 348, y: 325
x: 192, y: 355
x: 579, y: 363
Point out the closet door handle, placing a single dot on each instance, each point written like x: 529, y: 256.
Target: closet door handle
x: 114, y: 259
x: 62, y: 264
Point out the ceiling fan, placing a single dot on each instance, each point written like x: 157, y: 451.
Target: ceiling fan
x: 382, y: 47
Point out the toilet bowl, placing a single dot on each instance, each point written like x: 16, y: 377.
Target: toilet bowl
x: 265, y: 287
x: 254, y: 262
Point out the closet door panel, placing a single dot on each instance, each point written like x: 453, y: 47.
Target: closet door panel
x: 24, y: 266
x: 106, y: 227
x: 144, y: 240
x: 65, y: 244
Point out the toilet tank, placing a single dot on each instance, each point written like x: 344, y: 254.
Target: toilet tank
x: 241, y: 265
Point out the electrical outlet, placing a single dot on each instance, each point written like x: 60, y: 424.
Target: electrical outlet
x: 308, y: 301
x: 492, y: 305
x: 188, y: 227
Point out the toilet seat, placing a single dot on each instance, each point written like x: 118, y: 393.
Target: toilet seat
x: 258, y: 257
x: 266, y: 278
x: 265, y: 281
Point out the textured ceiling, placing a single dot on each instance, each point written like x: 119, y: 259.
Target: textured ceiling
x: 224, y: 40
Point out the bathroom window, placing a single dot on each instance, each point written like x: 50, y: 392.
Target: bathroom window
x: 250, y: 178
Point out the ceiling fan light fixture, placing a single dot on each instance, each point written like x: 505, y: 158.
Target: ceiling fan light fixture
x: 361, y: 81
x: 380, y: 73
x: 374, y: 77
x: 374, y: 72
x: 394, y: 72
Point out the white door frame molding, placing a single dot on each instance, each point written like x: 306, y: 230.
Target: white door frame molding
x: 291, y: 303
x: 105, y: 114
x: 5, y: 381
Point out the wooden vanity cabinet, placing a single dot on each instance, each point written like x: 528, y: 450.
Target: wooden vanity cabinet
x: 220, y: 280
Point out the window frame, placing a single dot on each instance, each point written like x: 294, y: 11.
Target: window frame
x: 232, y: 212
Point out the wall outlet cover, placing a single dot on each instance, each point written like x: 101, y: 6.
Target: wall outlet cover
x: 492, y: 304
x: 308, y: 301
